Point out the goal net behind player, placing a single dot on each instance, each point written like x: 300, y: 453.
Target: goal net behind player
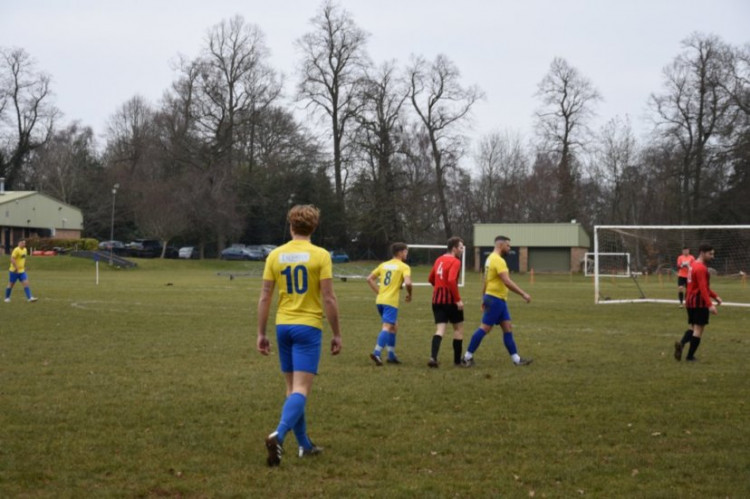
x: 650, y: 254
x: 424, y: 255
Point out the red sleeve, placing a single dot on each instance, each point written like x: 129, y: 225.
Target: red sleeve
x: 453, y: 281
x: 431, y: 277
x: 705, y: 292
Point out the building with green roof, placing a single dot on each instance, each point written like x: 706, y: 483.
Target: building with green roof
x: 543, y: 247
x: 25, y: 214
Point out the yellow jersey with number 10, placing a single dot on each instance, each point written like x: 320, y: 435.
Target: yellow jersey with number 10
x: 493, y: 267
x: 297, y: 268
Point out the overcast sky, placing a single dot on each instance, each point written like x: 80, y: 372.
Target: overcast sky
x: 100, y: 53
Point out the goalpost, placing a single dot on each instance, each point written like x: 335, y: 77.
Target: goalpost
x: 428, y: 256
x: 637, y: 263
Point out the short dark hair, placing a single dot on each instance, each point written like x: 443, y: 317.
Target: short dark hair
x: 705, y: 248
x: 398, y: 248
x: 685, y: 248
x: 453, y: 242
x: 502, y: 238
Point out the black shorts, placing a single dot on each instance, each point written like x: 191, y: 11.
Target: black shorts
x: 697, y: 316
x: 445, y: 313
x: 682, y: 281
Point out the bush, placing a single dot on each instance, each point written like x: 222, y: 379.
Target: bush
x: 51, y: 243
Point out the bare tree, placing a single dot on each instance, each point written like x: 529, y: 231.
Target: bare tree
x: 26, y: 113
x: 568, y: 99
x: 442, y: 105
x: 615, y: 161
x: 333, y: 60
x: 378, y: 137
x: 502, y: 168
x: 691, y: 112
x: 60, y: 167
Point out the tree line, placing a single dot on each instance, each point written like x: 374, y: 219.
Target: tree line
x: 220, y: 158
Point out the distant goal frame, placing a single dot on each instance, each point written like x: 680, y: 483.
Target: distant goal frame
x: 597, y: 228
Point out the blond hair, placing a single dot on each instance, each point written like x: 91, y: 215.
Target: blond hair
x: 303, y: 219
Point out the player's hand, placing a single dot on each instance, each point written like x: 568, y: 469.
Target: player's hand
x: 713, y: 310
x: 408, y: 298
x: 263, y: 345
x: 460, y: 304
x: 526, y: 297
x: 336, y: 345
x: 718, y: 301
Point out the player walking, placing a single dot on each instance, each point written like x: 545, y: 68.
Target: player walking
x: 497, y: 282
x: 698, y: 302
x: 17, y: 272
x: 683, y: 264
x: 303, y: 273
x: 447, y: 305
x: 391, y: 275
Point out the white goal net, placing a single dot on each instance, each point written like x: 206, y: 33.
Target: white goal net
x: 426, y: 254
x: 639, y: 263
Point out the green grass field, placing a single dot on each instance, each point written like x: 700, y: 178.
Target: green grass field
x: 148, y: 385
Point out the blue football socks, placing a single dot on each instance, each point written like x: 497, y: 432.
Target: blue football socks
x: 510, y: 343
x: 476, y: 340
x: 293, y: 410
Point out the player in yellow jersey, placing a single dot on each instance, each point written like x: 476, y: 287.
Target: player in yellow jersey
x: 17, y: 272
x: 391, y: 275
x: 303, y: 273
x: 497, y: 282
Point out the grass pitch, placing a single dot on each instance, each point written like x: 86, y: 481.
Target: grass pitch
x: 148, y: 385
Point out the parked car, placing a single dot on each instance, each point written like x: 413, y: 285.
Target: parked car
x: 188, y: 253
x: 268, y: 248
x: 117, y: 247
x: 149, y: 248
x: 238, y: 253
x: 339, y: 256
x: 257, y: 251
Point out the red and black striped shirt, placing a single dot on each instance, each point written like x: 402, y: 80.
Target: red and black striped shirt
x: 699, y: 292
x: 444, y: 279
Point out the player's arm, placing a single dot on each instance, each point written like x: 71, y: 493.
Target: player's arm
x: 505, y: 277
x: 706, y: 293
x: 264, y: 306
x: 453, y: 286
x: 408, y: 286
x: 13, y: 262
x: 331, y: 306
x: 431, y: 277
x: 372, y: 281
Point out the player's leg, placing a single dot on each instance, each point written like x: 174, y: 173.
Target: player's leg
x: 458, y: 342
x: 391, y: 345
x: 12, y: 277
x: 490, y: 317
x: 437, y: 339
x: 457, y: 321
x: 441, y: 321
x: 26, y: 288
x: 382, y: 340
x: 701, y: 321
x: 681, y: 281
x: 299, y: 354
x: 687, y: 335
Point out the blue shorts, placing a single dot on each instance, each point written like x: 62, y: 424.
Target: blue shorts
x: 18, y: 276
x: 299, y: 347
x: 495, y: 310
x: 388, y: 314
